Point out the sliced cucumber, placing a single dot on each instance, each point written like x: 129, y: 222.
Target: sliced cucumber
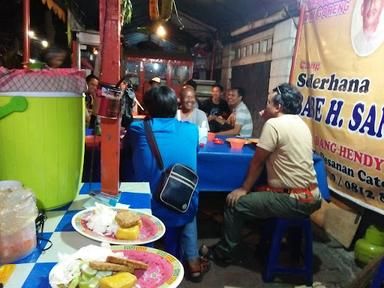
x: 101, y: 274
x: 87, y: 272
x: 75, y: 281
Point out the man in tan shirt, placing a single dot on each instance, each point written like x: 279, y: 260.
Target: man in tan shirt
x: 285, y: 148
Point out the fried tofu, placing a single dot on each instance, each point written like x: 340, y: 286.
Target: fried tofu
x: 106, y: 266
x: 127, y: 262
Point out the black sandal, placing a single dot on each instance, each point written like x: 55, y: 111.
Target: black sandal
x: 196, y: 271
x: 214, y: 254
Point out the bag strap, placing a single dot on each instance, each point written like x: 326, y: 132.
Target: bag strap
x: 153, y: 144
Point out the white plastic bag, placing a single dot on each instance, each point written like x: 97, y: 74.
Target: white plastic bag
x: 203, y: 133
x: 18, y: 212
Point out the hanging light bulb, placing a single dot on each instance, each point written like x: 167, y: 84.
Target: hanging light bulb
x: 160, y: 31
x: 44, y: 43
x: 31, y: 34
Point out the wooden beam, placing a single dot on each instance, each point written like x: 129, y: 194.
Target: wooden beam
x: 110, y: 74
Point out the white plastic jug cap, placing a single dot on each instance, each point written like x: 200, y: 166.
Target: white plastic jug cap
x: 10, y: 184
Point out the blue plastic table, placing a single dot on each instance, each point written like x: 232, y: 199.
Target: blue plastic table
x: 220, y: 169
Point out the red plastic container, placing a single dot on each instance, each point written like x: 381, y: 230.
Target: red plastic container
x: 109, y: 102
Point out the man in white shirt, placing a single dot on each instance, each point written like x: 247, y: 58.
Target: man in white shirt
x: 285, y: 148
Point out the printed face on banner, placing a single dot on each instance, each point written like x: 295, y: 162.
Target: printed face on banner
x: 341, y: 78
x: 367, y: 29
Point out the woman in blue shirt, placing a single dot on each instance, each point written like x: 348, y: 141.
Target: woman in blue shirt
x: 178, y: 143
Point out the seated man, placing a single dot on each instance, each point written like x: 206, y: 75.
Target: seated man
x: 188, y: 111
x: 240, y: 119
x: 216, y: 107
x: 90, y: 101
x: 292, y: 186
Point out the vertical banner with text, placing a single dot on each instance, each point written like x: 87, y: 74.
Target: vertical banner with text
x: 340, y: 71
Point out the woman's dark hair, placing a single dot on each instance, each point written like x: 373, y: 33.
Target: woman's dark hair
x: 161, y: 102
x: 289, y: 98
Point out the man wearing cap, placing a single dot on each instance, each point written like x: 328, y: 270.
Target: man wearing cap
x: 155, y: 82
x: 292, y: 185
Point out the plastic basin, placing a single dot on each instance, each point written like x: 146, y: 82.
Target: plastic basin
x: 236, y: 144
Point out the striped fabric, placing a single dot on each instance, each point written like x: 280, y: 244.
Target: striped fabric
x: 243, y: 118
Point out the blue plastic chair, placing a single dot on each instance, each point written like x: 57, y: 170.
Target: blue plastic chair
x: 378, y: 280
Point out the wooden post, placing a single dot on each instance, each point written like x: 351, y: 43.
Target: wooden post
x: 26, y: 20
x: 297, y: 41
x: 110, y: 73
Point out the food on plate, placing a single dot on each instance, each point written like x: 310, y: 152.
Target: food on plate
x: 106, y: 266
x: 129, y: 225
x: 247, y: 140
x: 120, y: 224
x: 90, y: 265
x: 218, y: 141
x: 115, y: 272
x: 102, y: 220
x: 87, y: 277
x: 131, y: 233
x: 119, y: 280
x: 127, y: 219
x: 252, y: 140
x: 127, y: 262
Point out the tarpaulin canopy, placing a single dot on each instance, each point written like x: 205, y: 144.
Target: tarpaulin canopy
x: 56, y: 7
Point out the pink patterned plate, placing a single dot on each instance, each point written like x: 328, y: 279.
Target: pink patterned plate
x: 151, y: 230
x: 164, y: 270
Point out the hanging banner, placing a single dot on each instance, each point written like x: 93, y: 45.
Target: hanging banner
x: 340, y: 71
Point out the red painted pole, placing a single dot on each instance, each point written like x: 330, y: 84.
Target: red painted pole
x: 74, y: 58
x: 109, y: 19
x: 213, y: 55
x: 26, y: 20
x: 297, y: 41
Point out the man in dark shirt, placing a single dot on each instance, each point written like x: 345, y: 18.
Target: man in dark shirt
x: 90, y: 95
x: 214, y: 107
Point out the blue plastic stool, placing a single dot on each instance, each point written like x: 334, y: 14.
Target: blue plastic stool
x: 277, y: 228
x: 378, y: 281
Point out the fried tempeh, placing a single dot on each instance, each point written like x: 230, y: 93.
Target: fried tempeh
x: 127, y: 219
x: 127, y: 262
x: 106, y: 266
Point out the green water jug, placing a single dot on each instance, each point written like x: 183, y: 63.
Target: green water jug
x: 42, y: 132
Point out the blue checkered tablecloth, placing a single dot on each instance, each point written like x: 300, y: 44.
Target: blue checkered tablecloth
x: 32, y: 271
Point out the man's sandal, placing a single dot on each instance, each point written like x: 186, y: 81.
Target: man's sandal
x: 213, y: 253
x: 196, y: 269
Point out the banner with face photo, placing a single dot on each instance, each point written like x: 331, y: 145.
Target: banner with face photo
x: 340, y: 71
